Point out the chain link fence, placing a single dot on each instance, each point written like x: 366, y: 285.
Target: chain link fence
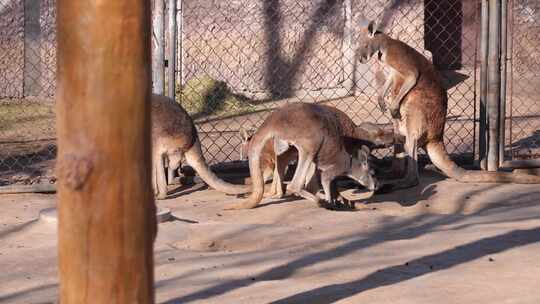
x: 268, y: 53
x: 238, y: 60
x: 27, y: 84
x: 523, y: 103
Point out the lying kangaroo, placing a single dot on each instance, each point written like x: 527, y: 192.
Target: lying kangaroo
x: 317, y: 135
x: 419, y: 108
x: 367, y: 134
x: 174, y: 138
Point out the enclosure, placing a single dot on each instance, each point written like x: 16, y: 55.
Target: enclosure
x: 236, y: 61
x: 229, y: 64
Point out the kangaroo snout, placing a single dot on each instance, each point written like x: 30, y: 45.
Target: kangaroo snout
x: 374, y: 185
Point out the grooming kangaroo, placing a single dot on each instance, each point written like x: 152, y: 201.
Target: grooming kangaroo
x: 368, y: 134
x: 317, y: 135
x: 419, y: 108
x: 174, y: 138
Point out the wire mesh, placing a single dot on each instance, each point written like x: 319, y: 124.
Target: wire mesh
x: 238, y: 60
x: 27, y: 84
x: 523, y: 126
x: 268, y: 53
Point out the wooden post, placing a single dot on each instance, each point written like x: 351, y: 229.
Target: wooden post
x: 107, y: 221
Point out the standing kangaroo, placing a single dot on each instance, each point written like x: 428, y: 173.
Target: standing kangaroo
x: 174, y: 138
x: 317, y: 135
x: 418, y: 108
x: 355, y: 136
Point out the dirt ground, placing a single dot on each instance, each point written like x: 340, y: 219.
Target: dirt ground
x: 442, y: 242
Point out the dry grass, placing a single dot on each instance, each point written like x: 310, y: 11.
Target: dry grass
x: 23, y: 120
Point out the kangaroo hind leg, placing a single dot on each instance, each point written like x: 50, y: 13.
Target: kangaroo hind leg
x: 297, y: 185
x: 158, y: 176
x: 411, y: 177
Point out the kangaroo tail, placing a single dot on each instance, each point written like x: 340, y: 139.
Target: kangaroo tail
x: 440, y: 158
x: 257, y: 179
x: 195, y: 158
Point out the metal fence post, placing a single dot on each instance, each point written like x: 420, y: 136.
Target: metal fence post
x: 32, y: 62
x: 158, y: 48
x: 171, y: 66
x: 494, y: 84
x: 180, y: 50
x: 348, y: 48
x: 504, y: 61
x: 484, y: 36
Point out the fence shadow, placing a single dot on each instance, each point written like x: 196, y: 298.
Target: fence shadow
x: 424, y: 265
x: 410, y: 228
x: 281, y: 74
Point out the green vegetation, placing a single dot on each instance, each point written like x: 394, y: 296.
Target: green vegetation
x: 203, y: 96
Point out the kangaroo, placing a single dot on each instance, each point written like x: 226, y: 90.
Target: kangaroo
x: 174, y: 138
x: 269, y: 162
x: 317, y: 135
x: 418, y: 108
x: 366, y: 133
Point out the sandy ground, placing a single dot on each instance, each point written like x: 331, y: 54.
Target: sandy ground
x: 442, y: 242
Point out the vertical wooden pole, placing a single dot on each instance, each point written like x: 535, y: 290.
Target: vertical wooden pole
x: 107, y: 221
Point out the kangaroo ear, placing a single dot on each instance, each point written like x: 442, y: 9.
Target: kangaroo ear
x: 363, y: 153
x: 244, y: 134
x: 372, y: 28
x: 366, y: 150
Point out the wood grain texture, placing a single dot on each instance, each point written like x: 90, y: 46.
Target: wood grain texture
x: 106, y: 210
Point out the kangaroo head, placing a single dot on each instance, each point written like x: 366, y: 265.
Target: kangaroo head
x: 368, y: 44
x: 244, y: 145
x: 361, y: 170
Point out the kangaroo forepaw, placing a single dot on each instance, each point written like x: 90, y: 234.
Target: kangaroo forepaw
x: 270, y: 193
x: 382, y: 104
x: 273, y: 194
x: 394, y: 112
x: 276, y: 196
x: 337, y: 204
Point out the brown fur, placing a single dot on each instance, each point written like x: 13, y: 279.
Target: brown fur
x: 418, y: 106
x: 368, y: 134
x: 174, y: 137
x: 317, y: 135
